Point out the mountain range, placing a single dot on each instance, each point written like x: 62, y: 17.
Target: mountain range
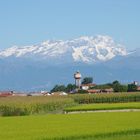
x: 41, y: 66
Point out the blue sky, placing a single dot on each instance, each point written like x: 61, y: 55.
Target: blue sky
x: 25, y: 22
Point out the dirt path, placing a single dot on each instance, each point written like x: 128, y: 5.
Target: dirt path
x: 96, y: 111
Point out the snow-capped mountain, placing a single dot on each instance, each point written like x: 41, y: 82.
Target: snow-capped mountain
x: 43, y: 65
x: 84, y: 49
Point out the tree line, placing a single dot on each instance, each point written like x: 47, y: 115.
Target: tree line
x: 115, y: 85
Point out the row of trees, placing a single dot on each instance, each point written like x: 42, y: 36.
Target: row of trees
x: 117, y: 87
x: 68, y: 88
x: 71, y: 87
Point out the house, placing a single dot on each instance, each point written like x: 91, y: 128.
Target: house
x: 19, y: 94
x: 138, y: 88
x: 59, y: 93
x: 87, y: 86
x: 108, y: 90
x: 6, y: 93
x: 35, y: 94
x: 135, y: 83
x: 94, y: 91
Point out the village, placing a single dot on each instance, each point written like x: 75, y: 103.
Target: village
x: 81, y: 86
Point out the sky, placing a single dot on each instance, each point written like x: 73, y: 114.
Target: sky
x: 27, y: 22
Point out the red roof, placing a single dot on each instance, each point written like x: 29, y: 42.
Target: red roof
x: 89, y: 85
x: 5, y: 93
x: 94, y: 90
x: 138, y: 88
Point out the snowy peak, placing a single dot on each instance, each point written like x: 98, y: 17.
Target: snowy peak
x: 99, y: 48
x: 84, y: 49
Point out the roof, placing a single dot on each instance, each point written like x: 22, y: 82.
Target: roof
x: 59, y: 93
x: 5, y: 93
x: 108, y: 90
x: 100, y: 90
x: 138, y: 88
x: 94, y: 90
x: 89, y: 85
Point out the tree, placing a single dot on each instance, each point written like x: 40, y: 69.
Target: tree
x: 132, y: 87
x: 87, y: 80
x: 120, y: 88
x: 103, y: 86
x: 115, y: 82
x: 70, y: 87
x: 58, y: 88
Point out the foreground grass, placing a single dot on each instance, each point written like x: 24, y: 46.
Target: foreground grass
x: 119, y: 137
x: 128, y: 137
x: 102, y: 126
x: 104, y: 106
x: 19, y: 106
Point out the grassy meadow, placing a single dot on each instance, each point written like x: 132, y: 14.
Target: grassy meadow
x: 104, y: 106
x: 71, y: 126
x: 43, y: 118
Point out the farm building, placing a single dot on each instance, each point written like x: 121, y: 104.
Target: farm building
x: 94, y: 91
x: 138, y: 88
x: 87, y: 86
x: 59, y: 93
x: 6, y: 93
x: 109, y: 90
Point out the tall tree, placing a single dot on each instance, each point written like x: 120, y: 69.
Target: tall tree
x: 70, y: 87
x: 58, y: 88
x: 115, y: 82
x: 87, y: 80
x: 120, y: 88
x: 132, y: 87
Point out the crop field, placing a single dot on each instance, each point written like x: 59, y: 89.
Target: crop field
x: 19, y: 106
x: 104, y: 106
x: 92, y: 126
x: 107, y: 98
x: 46, y: 121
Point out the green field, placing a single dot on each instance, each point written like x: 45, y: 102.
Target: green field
x: 107, y: 98
x: 19, y: 106
x: 92, y: 126
x: 104, y: 106
x: 46, y: 121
